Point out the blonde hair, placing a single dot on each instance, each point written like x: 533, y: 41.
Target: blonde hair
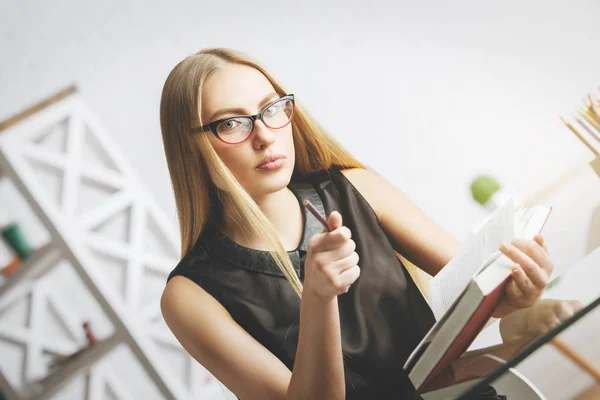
x: 187, y: 158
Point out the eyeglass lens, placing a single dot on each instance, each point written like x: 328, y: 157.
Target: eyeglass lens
x: 276, y: 116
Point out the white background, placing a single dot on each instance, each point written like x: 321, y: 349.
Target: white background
x: 430, y: 93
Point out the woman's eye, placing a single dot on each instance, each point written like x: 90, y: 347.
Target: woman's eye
x: 274, y: 109
x: 229, y: 125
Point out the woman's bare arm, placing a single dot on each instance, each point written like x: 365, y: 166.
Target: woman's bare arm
x: 430, y: 247
x: 318, y: 368
x: 210, y: 335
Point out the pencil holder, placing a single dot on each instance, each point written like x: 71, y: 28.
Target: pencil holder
x: 14, y: 236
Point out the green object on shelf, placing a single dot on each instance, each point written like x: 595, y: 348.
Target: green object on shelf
x: 483, y: 188
x: 15, y: 238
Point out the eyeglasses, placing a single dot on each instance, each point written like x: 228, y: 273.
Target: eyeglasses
x: 234, y: 130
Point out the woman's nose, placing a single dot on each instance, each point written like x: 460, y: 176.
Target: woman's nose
x: 263, y: 136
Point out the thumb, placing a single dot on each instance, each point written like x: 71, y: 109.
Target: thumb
x: 540, y: 240
x: 334, y: 220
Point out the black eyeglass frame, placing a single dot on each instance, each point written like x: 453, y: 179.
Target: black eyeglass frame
x: 213, y: 125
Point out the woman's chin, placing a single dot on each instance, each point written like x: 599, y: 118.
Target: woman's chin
x: 272, y: 181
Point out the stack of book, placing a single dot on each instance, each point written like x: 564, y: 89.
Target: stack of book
x: 464, y: 296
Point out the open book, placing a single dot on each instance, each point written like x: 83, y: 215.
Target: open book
x: 468, y: 289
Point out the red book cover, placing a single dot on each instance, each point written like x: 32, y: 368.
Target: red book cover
x: 469, y: 331
x: 475, y: 364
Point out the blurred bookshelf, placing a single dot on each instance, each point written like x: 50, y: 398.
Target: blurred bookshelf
x: 121, y: 224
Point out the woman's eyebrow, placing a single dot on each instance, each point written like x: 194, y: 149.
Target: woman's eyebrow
x: 241, y: 110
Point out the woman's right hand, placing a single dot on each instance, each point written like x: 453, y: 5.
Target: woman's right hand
x: 331, y: 266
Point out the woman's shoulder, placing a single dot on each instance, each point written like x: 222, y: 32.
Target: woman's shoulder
x: 366, y: 184
x: 191, y: 265
x: 358, y: 177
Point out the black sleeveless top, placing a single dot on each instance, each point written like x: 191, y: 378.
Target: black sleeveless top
x: 383, y: 316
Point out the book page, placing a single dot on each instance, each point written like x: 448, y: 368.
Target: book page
x: 449, y: 283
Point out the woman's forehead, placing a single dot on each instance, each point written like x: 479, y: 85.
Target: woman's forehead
x: 234, y: 86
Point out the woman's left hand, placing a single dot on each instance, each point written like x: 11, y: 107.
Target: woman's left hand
x: 530, y: 274
x: 538, y: 319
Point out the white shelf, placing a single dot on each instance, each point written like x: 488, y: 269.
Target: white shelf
x: 73, y: 240
x: 33, y: 267
x: 50, y: 385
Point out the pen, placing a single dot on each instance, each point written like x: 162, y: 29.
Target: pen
x: 317, y: 215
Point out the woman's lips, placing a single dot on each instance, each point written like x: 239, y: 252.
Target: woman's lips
x: 273, y: 165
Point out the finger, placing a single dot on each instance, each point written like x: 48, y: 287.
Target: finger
x: 540, y: 240
x: 551, y: 316
x: 576, y: 305
x: 345, y: 263
x: 536, y: 252
x: 513, y: 290
x: 539, y: 253
x: 563, y: 311
x: 336, y: 238
x: 523, y: 282
x: 551, y: 321
x: 334, y: 220
x: 349, y: 276
x: 531, y: 268
x: 342, y: 251
x: 534, y: 271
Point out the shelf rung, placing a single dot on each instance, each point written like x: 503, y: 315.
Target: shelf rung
x: 49, y: 386
x: 32, y: 267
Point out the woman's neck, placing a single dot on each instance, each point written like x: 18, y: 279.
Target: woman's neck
x: 282, y: 209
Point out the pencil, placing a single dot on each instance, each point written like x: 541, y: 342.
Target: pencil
x: 546, y: 220
x: 588, y: 129
x: 576, y: 358
x: 589, y: 117
x: 592, y: 108
x: 317, y: 215
x: 580, y: 137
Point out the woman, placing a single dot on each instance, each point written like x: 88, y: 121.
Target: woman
x: 267, y: 300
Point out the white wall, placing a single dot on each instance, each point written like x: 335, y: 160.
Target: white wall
x: 466, y: 87
x: 428, y: 93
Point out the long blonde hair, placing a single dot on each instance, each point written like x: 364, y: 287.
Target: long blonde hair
x: 187, y: 158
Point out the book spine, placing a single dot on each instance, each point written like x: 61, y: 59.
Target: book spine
x: 469, y: 332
